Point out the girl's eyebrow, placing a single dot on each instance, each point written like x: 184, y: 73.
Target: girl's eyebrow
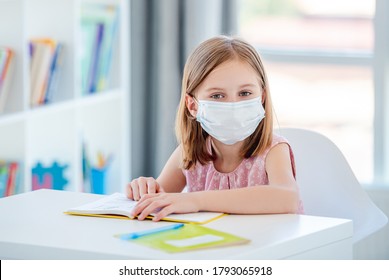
x: 248, y: 85
x: 222, y: 89
x: 214, y: 89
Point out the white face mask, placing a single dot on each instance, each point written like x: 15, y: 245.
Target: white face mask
x: 230, y: 122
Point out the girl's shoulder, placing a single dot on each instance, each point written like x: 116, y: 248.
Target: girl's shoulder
x: 277, y: 139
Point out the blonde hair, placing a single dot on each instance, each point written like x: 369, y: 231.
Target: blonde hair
x: 203, y: 60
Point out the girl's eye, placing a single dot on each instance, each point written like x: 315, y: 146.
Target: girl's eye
x: 245, y: 93
x: 217, y: 96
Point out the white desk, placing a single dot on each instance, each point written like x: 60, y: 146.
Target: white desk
x: 33, y: 226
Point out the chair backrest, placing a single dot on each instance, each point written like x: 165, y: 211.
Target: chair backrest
x: 328, y: 186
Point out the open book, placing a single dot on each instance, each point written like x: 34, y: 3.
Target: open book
x: 117, y: 205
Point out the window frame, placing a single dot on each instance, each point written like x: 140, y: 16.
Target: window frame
x: 381, y: 94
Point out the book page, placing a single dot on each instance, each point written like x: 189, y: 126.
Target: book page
x: 114, y: 204
x: 119, y: 204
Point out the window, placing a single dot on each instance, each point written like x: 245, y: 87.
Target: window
x: 319, y: 59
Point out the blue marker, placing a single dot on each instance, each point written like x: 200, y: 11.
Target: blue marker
x: 138, y: 234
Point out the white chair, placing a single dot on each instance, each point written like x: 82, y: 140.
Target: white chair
x: 328, y: 187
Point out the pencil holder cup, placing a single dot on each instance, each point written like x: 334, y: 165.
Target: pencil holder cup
x: 98, y: 180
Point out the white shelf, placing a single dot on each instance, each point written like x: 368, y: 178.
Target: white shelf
x: 102, y: 97
x: 57, y: 131
x: 12, y: 118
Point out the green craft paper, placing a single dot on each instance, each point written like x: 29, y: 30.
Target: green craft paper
x: 158, y: 240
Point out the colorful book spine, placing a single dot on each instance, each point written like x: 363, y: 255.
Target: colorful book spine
x: 3, y: 178
x: 46, y: 60
x: 96, y: 59
x: 6, y: 70
x: 56, y: 66
x: 12, y: 173
x: 108, y: 50
x: 9, y: 178
x: 99, y: 24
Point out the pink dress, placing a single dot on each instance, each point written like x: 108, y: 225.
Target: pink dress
x: 250, y: 172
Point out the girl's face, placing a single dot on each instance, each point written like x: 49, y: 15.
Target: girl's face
x: 231, y: 81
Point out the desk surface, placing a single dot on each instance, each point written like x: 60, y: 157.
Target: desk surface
x: 33, y: 226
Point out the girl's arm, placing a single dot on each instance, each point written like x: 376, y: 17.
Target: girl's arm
x: 280, y: 196
x: 171, y: 179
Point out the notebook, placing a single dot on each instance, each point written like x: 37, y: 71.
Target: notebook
x: 187, y: 238
x: 117, y: 205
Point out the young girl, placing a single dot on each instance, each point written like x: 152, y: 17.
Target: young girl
x: 228, y: 157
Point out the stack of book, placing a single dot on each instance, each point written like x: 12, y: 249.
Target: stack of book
x: 46, y: 60
x: 9, y: 178
x: 6, y: 65
x: 99, y: 24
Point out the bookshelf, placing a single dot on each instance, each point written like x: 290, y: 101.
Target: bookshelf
x: 56, y: 131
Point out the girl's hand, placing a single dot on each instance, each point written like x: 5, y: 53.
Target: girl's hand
x: 141, y: 186
x: 163, y: 204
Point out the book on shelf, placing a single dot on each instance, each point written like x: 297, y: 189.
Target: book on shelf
x: 55, y: 69
x: 95, y: 60
x: 9, y: 178
x: 99, y: 24
x: 6, y: 70
x: 184, y: 238
x: 117, y: 205
x: 46, y: 59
